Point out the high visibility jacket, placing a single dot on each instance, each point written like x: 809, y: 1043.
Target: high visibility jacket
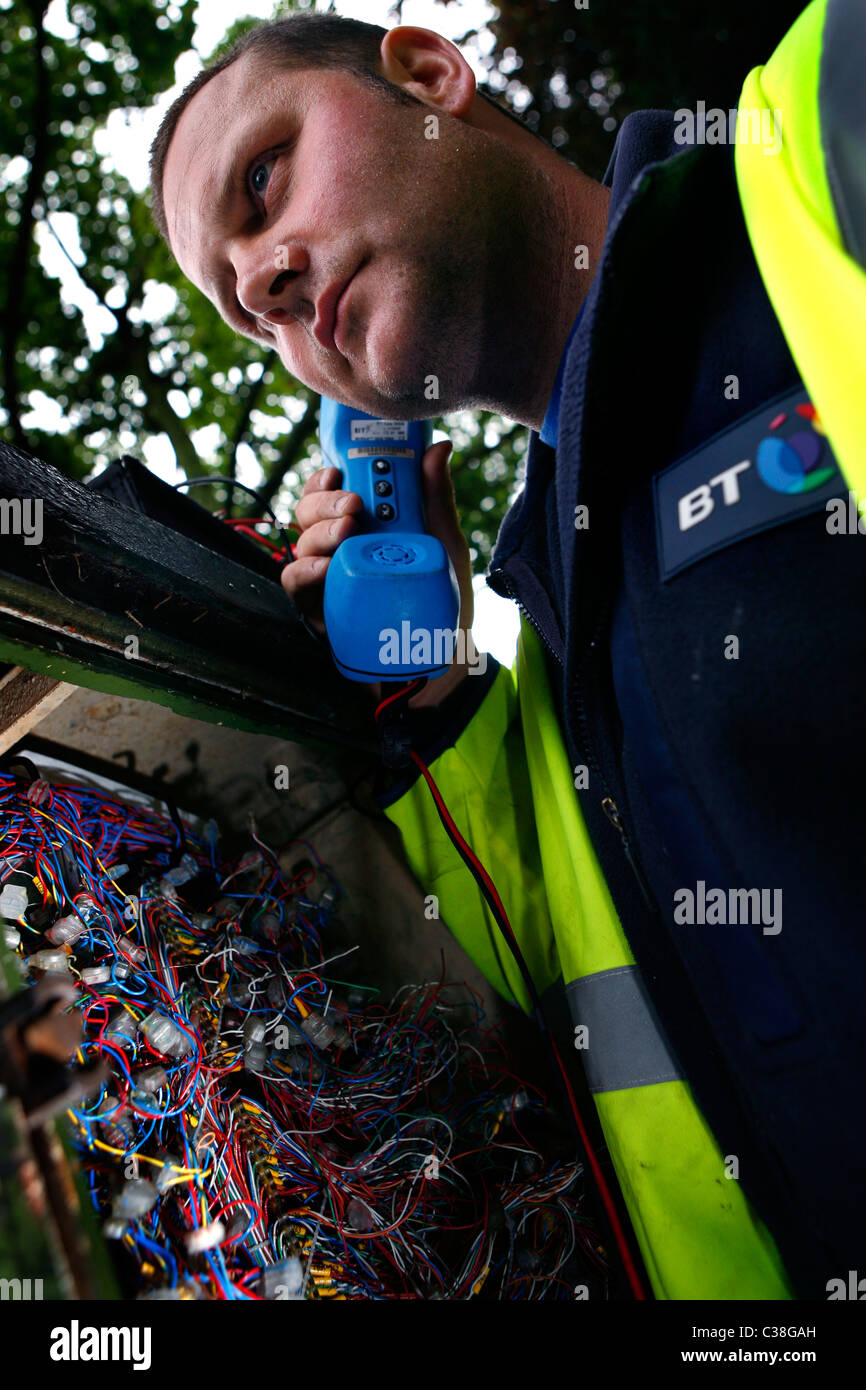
x: 695, y: 1041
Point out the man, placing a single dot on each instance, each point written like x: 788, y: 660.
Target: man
x: 676, y: 756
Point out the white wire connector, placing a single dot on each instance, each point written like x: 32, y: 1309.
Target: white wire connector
x: 205, y: 1238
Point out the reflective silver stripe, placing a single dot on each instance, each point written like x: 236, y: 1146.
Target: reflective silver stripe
x: 625, y: 1043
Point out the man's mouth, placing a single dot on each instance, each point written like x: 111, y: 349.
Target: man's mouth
x: 338, y: 322
x: 340, y: 316
x: 328, y: 323
x: 326, y: 311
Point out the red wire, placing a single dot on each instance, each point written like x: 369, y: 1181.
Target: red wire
x: 619, y: 1235
x: 407, y: 690
x: 481, y: 869
x: 604, y: 1191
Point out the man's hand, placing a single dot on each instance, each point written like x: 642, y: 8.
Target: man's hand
x: 326, y: 516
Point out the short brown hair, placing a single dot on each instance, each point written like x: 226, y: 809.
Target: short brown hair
x: 298, y: 41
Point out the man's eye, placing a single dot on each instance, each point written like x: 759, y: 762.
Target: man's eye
x: 260, y: 176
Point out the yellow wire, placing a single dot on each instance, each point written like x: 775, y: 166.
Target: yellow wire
x: 86, y: 843
x: 184, y: 1174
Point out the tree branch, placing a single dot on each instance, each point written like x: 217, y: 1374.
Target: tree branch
x: 159, y: 406
x: 290, y: 455
x: 254, y: 390
x: 16, y: 272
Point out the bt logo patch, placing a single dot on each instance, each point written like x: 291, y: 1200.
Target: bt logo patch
x: 705, y: 501
x: 792, y: 464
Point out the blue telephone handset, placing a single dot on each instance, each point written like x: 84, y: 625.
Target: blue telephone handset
x: 392, y: 601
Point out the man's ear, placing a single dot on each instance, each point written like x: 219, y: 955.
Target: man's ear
x: 429, y: 68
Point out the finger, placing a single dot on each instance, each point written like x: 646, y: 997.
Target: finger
x: 319, y: 505
x: 303, y: 581
x: 324, y: 537
x: 322, y: 479
x: 307, y: 570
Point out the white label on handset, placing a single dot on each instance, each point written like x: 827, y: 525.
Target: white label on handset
x: 380, y: 429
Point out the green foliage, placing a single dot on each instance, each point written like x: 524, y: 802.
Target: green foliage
x: 59, y: 94
x: 585, y: 69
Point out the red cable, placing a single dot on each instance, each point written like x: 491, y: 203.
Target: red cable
x: 407, y: 690
x: 619, y: 1234
x: 604, y: 1191
x: 481, y: 869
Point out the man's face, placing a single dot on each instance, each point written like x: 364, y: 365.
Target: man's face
x: 282, y: 187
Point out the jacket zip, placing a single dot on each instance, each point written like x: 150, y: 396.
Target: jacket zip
x: 608, y: 805
x: 611, y: 810
x: 508, y: 584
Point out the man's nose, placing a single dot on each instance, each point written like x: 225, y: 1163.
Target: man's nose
x: 271, y: 279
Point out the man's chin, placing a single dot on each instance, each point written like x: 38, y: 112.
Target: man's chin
x: 407, y: 391
x: 399, y: 397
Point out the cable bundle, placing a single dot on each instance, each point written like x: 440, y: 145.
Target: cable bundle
x: 271, y: 1128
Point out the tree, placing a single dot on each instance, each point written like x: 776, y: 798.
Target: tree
x: 577, y: 68
x: 59, y: 93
